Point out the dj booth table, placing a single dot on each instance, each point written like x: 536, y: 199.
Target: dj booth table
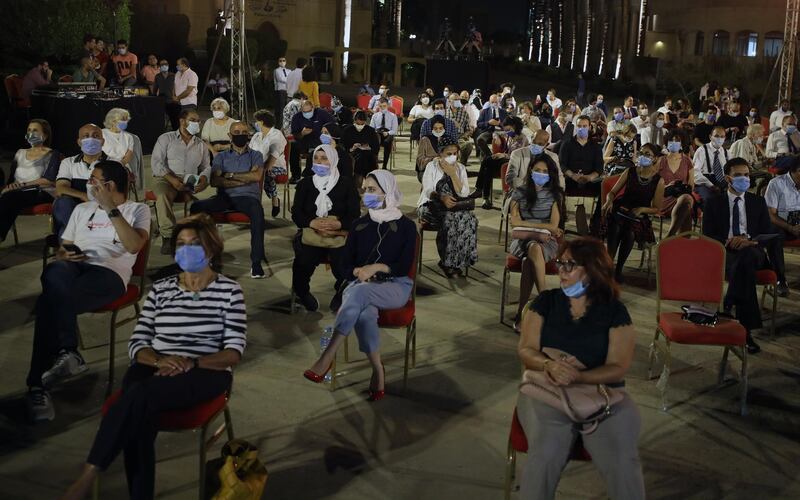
x: 68, y: 114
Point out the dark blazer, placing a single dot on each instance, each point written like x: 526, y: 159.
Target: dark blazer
x: 717, y: 217
x: 486, y: 115
x: 346, y: 202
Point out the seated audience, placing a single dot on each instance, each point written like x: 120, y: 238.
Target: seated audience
x: 126, y: 65
x: 581, y: 160
x: 736, y: 218
x: 627, y: 213
x: 332, y: 134
x: 92, y: 268
x: 362, y: 143
x: 618, y: 123
x: 149, y: 72
x: 677, y: 171
x: 473, y: 111
x: 505, y: 143
x: 560, y: 130
x: 530, y: 122
x: 709, y: 176
x: 309, y: 86
x: 734, y: 123
x: 374, y: 101
x: 520, y: 161
x: 777, y: 116
x: 784, y: 144
x: 449, y: 125
x: 702, y: 131
x: 642, y: 120
x: 444, y: 206
x: 586, y: 319
x: 87, y: 74
x: 655, y: 132
x: 384, y: 122
x: 753, y: 116
x: 101, y: 56
x: 751, y: 147
x: 489, y: 121
x: 118, y: 144
x: 342, y: 114
x: 189, y: 337
x: 216, y: 130
x: 420, y: 112
x: 537, y: 205
x: 306, y: 126
x: 33, y: 175
x: 180, y: 166
x: 428, y: 149
x: 38, y: 76
x: 325, y: 206
x: 783, y: 201
x: 73, y: 173
x: 291, y: 109
x: 270, y: 142
x: 620, y: 150
x: 237, y: 175
x: 376, y: 263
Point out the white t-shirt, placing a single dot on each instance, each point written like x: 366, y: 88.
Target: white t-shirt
x: 116, y: 144
x: 184, y: 80
x: 93, y: 232
x: 419, y: 112
x: 273, y: 144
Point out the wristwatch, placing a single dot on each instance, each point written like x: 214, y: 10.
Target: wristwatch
x: 229, y: 175
x: 114, y: 213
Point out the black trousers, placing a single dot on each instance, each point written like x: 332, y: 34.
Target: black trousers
x: 740, y: 270
x: 245, y: 204
x: 386, y: 144
x: 296, y: 148
x: 490, y: 168
x: 620, y: 240
x: 68, y: 289
x: 173, y: 111
x: 306, y: 260
x: 280, y: 102
x: 483, y: 141
x: 12, y: 203
x: 131, y: 424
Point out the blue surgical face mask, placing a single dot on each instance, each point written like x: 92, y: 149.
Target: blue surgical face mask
x: 718, y: 141
x: 257, y: 126
x: 645, y: 161
x: 741, y: 184
x: 325, y: 138
x: 91, y: 146
x: 122, y: 125
x: 577, y: 289
x: 373, y: 201
x: 191, y: 258
x: 659, y: 123
x: 540, y: 178
x: 308, y: 114
x: 510, y: 133
x: 321, y: 170
x: 619, y: 116
x: 791, y: 129
x: 674, y: 146
x: 583, y: 132
x: 439, y: 112
x: 536, y: 149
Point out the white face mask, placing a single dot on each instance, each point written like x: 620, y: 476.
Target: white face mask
x: 359, y: 127
x: 451, y: 159
x: 282, y: 64
x: 90, y: 193
x: 193, y: 128
x: 437, y: 133
x: 758, y: 140
x: 219, y: 115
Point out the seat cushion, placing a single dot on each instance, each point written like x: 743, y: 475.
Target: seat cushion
x: 40, y: 209
x: 281, y: 179
x: 726, y: 332
x: 175, y: 420
x: 792, y: 243
x: 130, y: 296
x: 766, y: 277
x: 230, y: 218
x: 397, y: 318
x: 513, y: 263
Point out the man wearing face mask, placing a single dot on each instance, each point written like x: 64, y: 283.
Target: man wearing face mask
x: 708, y: 160
x: 237, y: 173
x: 777, y: 116
x: 92, y: 268
x: 641, y: 120
x: 489, y: 122
x: 581, y: 159
x: 384, y: 122
x: 784, y: 144
x: 126, y: 65
x: 185, y: 91
x: 740, y: 221
x: 73, y: 173
x: 520, y: 161
x: 472, y: 110
x: 449, y: 126
x: 702, y: 131
x: 460, y: 117
x: 594, y: 113
x: 306, y: 128
x: 750, y: 147
x: 279, y: 79
x: 560, y: 130
x: 361, y: 141
x: 163, y: 86
x: 374, y: 101
x: 181, y: 168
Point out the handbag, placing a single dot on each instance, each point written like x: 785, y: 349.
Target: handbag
x: 241, y: 474
x: 700, y: 315
x: 314, y: 239
x: 585, y: 404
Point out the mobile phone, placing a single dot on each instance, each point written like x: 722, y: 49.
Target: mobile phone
x: 71, y: 247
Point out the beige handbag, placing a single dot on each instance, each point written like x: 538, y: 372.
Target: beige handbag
x: 585, y: 404
x: 313, y: 239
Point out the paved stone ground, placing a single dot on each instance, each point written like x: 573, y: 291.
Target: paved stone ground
x: 445, y: 438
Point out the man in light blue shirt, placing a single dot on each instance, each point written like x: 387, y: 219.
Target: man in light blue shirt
x: 385, y: 123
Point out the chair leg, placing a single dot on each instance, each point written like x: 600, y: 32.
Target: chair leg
x: 16, y: 236
x: 112, y: 343
x: 744, y: 382
x: 409, y: 335
x: 663, y: 381
x: 201, y: 487
x: 774, y: 311
x: 723, y: 366
x: 651, y: 356
x: 419, y: 257
x: 511, y: 465
x: 333, y: 374
x: 229, y: 424
x: 285, y: 197
x: 347, y: 349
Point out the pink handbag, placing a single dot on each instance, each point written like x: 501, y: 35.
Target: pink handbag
x: 585, y: 404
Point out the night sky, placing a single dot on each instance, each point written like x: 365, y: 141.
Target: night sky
x: 425, y: 16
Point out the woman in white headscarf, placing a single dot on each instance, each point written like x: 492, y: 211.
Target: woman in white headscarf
x: 378, y: 260
x: 325, y: 205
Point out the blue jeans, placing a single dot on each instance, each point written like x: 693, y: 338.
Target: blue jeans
x: 62, y: 210
x: 245, y: 204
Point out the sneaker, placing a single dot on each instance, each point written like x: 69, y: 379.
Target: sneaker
x: 276, y: 210
x: 309, y: 302
x: 68, y: 364
x: 257, y: 272
x: 166, y: 246
x: 782, y: 289
x: 39, y: 405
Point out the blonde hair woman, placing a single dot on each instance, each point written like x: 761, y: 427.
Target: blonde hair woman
x: 119, y: 143
x: 215, y: 129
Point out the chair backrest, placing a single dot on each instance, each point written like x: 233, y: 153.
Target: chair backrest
x: 397, y: 103
x: 325, y: 100
x: 690, y: 267
x: 413, y: 273
x: 363, y: 101
x: 13, y: 84
x: 65, y: 79
x: 607, y: 185
x: 503, y: 172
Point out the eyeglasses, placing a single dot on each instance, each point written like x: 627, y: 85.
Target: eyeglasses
x: 566, y: 265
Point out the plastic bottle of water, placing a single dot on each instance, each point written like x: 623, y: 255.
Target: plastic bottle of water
x: 327, y: 334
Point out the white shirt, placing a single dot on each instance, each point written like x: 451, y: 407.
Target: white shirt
x: 420, y: 112
x: 90, y: 228
x: 783, y: 195
x: 432, y: 176
x: 172, y: 155
x: 703, y: 168
x: 778, y: 143
x: 184, y: 80
x: 776, y: 119
x: 272, y: 144
x: 279, y: 77
x: 555, y: 103
x: 117, y: 144
x: 390, y: 123
x: 647, y: 136
x: 640, y: 122
x: 212, y: 132
x: 74, y: 167
x: 474, y: 114
x: 742, y: 214
x: 293, y: 81
x: 744, y: 148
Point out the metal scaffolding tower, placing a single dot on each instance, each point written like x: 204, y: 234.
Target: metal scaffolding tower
x: 238, y: 41
x: 789, y: 50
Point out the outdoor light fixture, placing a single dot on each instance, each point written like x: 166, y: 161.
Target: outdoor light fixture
x: 412, y: 36
x: 519, y: 59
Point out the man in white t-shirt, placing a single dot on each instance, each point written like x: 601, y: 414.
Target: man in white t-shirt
x: 92, y: 269
x: 185, y: 85
x: 271, y: 143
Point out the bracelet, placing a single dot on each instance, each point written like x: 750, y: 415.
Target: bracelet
x: 544, y: 365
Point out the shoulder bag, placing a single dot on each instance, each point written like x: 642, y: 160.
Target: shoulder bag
x: 314, y: 239
x: 241, y: 474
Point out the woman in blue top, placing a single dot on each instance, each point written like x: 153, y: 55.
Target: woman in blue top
x: 586, y: 319
x: 377, y: 258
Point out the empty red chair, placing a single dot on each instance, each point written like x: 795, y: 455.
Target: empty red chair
x: 363, y: 101
x: 325, y: 100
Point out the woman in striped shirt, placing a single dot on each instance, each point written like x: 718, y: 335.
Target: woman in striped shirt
x: 190, y: 334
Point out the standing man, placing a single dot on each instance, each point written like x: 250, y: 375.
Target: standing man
x: 279, y: 78
x: 185, y: 92
x: 164, y: 86
x: 126, y: 65
x: 237, y: 174
x: 306, y: 128
x: 295, y: 76
x: 629, y: 109
x: 180, y: 166
x: 385, y: 124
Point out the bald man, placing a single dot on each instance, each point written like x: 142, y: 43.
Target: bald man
x: 237, y: 174
x: 520, y: 160
x: 73, y: 173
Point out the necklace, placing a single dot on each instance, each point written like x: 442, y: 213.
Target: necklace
x: 195, y: 293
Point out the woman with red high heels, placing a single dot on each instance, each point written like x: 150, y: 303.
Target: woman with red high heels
x: 378, y: 257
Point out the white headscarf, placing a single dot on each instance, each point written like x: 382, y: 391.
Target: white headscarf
x: 393, y: 197
x: 325, y: 184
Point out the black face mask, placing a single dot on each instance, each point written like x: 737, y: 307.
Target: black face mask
x: 240, y: 140
x: 464, y: 102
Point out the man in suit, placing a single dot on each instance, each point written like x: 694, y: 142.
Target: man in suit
x: 489, y: 120
x: 737, y: 219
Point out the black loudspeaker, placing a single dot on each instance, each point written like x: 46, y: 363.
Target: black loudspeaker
x: 463, y: 75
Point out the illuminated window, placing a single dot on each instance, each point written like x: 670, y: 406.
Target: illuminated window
x: 746, y: 44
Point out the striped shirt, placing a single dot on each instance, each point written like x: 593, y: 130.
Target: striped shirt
x: 175, y: 322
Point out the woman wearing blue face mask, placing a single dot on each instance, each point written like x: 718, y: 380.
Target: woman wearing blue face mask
x: 504, y: 143
x: 325, y: 206
x: 677, y: 171
x: 583, y: 318
x: 536, y: 208
x: 377, y: 261
x: 626, y: 213
x: 118, y: 143
x: 189, y: 336
x: 621, y: 150
x: 331, y: 135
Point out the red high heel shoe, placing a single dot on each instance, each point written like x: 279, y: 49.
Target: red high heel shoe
x: 378, y: 395
x: 316, y: 378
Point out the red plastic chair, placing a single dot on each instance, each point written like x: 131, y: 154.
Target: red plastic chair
x: 13, y: 84
x: 504, y: 208
x: 514, y: 265
x: 396, y: 104
x: 199, y: 417
x: 234, y: 217
x: 40, y: 209
x: 284, y: 179
x: 363, y: 102
x: 690, y: 268
x: 518, y: 443
x: 325, y: 100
